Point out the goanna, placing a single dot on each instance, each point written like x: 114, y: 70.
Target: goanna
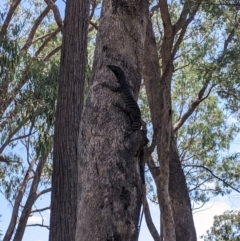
x: 131, y: 107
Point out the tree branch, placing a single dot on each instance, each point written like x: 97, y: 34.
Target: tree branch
x: 151, y: 227
x: 193, y: 107
x: 220, y: 179
x: 56, y: 13
x: 154, y: 9
x: 34, y: 27
x: 165, y: 17
x: 39, y: 225
x: 11, y: 11
x: 53, y: 34
x: 40, y: 210
x: 31, y: 198
x: 43, y: 192
x: 93, y: 24
x: 17, y: 202
x: 47, y: 57
x: 190, y: 8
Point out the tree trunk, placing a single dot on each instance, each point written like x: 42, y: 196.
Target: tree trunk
x: 18, y: 199
x: 158, y: 88
x: 181, y: 205
x: 31, y: 199
x: 68, y: 115
x: 110, y: 186
x: 178, y: 192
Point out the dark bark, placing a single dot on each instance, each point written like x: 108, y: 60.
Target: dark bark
x: 68, y: 115
x: 110, y: 186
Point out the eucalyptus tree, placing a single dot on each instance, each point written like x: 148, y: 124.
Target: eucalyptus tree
x: 29, y: 65
x: 68, y: 116
x: 225, y: 227
x: 109, y: 183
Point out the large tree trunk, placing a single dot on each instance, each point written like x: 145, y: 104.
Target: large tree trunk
x: 178, y: 192
x: 110, y: 186
x: 69, y: 109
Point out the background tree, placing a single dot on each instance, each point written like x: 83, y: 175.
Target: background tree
x: 225, y: 227
x: 68, y: 116
x: 28, y: 66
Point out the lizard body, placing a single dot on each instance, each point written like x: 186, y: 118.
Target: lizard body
x: 131, y: 107
x: 133, y: 110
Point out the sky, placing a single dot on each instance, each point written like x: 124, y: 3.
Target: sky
x: 203, y: 217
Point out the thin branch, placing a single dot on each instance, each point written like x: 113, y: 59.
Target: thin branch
x: 187, y: 10
x: 38, y: 225
x: 17, y: 202
x: 40, y: 210
x: 154, y: 9
x: 9, y: 138
x: 94, y: 5
x: 43, y: 192
x: 182, y: 67
x: 47, y: 40
x: 35, y: 26
x: 193, y: 106
x: 200, y: 184
x: 57, y: 49
x: 30, y: 199
x: 93, y: 24
x: 220, y: 179
x: 11, y: 11
x: 183, y: 24
x: 3, y: 159
x: 151, y: 227
x: 201, y: 207
x: 41, y: 37
x: 21, y: 137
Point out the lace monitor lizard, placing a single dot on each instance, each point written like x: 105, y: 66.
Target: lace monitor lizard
x: 133, y: 111
x: 131, y: 107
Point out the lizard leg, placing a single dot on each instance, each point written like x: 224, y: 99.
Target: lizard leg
x: 115, y: 87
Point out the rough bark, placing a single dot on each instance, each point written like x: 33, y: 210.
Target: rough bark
x: 68, y: 115
x: 110, y: 186
x: 178, y: 192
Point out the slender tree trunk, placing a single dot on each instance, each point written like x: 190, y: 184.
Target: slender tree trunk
x: 110, y: 186
x: 68, y: 115
x: 158, y: 88
x: 179, y: 198
x: 18, y: 199
x: 30, y: 200
x: 181, y: 205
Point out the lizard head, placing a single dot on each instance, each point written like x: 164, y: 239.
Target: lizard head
x: 117, y: 71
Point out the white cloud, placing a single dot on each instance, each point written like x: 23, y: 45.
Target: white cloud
x: 34, y: 219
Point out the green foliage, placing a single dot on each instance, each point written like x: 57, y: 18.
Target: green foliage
x: 226, y: 227
x: 206, y: 62
x: 28, y: 92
